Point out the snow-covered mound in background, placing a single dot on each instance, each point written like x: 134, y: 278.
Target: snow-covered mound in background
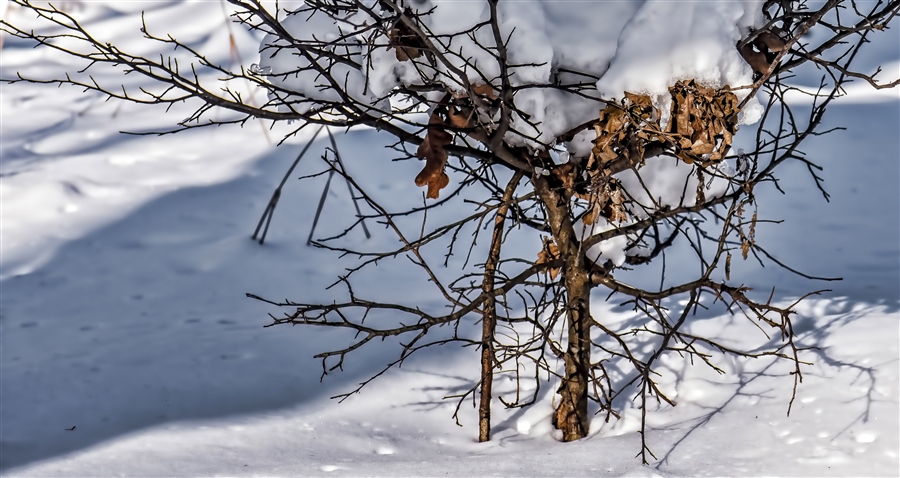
x: 638, y: 46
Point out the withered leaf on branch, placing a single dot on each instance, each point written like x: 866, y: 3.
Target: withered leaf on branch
x: 609, y: 135
x: 622, y: 130
x: 701, y: 194
x: 728, y: 267
x: 771, y: 41
x: 461, y: 116
x: 762, y: 51
x: 483, y: 90
x: 406, y: 43
x: 753, y: 229
x: 565, y: 173
x: 549, y: 253
x: 433, y: 151
x: 756, y: 59
x: 399, y: 43
x: 612, y: 202
x: 463, y: 111
x: 703, y: 122
x: 643, y: 103
x: 593, y: 211
x: 607, y: 200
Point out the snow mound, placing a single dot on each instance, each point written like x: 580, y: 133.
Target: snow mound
x: 547, y: 42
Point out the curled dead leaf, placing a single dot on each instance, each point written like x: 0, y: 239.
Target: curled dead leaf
x: 622, y: 130
x: 433, y: 151
x: 728, y: 267
x: 614, y: 209
x: 565, y: 173
x: 771, y: 41
x: 550, y: 252
x: 592, y: 214
x: 756, y: 59
x: 753, y: 229
x: 701, y: 187
x: 461, y: 116
x: 454, y: 111
x: 405, y: 43
x: 485, y: 90
x: 607, y: 200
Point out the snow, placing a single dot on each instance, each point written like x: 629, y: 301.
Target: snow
x: 124, y: 261
x: 608, y: 40
x: 669, y: 41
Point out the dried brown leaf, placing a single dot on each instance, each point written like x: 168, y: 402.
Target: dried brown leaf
x: 566, y: 175
x: 683, y: 115
x: 404, y: 42
x: 753, y: 229
x: 433, y: 151
x: 703, y: 121
x: 701, y: 187
x: 771, y: 41
x: 461, y: 117
x: 592, y: 214
x: 728, y: 267
x: 610, y: 201
x: 701, y: 146
x: 756, y: 59
x: 642, y: 101
x: 484, y: 90
x: 550, y: 252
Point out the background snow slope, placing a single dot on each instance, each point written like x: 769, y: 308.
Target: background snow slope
x: 124, y: 261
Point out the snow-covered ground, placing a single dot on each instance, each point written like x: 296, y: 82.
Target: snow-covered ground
x: 127, y: 346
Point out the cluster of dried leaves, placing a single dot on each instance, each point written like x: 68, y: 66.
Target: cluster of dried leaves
x: 607, y: 199
x: 702, y: 123
x: 700, y: 128
x: 625, y: 130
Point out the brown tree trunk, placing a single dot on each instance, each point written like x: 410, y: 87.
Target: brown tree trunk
x: 571, y: 416
x: 489, y: 315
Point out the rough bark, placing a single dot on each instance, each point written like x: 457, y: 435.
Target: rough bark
x: 489, y: 312
x: 571, y: 414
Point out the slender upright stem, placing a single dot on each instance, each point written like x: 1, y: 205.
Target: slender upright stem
x: 489, y: 315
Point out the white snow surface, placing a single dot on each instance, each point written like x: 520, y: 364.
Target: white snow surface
x: 124, y: 261
x: 665, y: 41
